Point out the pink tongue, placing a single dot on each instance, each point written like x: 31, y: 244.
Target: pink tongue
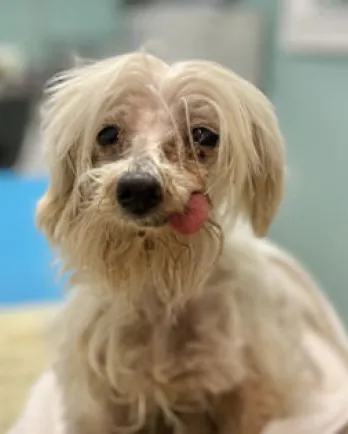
x: 194, y: 218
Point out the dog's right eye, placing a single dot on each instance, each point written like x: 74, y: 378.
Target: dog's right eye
x: 108, y: 136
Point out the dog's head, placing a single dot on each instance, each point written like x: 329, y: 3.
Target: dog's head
x: 139, y: 148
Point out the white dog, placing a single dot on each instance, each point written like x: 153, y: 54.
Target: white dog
x: 182, y: 318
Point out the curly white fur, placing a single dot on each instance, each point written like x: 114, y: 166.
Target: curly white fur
x: 215, y: 332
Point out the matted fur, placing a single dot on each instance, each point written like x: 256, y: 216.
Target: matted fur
x: 215, y: 332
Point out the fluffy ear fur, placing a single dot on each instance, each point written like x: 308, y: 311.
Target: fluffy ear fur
x: 265, y: 180
x: 55, y: 200
x: 58, y: 141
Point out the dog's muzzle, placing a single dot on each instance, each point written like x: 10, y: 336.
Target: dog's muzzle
x: 138, y: 193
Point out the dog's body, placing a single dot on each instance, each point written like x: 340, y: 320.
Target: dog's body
x: 211, y: 363
x: 179, y: 321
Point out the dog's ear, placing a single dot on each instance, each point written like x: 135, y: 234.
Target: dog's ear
x: 265, y: 185
x: 56, y: 200
x: 59, y: 136
x: 254, y: 155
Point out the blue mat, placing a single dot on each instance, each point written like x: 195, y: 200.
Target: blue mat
x: 26, y: 271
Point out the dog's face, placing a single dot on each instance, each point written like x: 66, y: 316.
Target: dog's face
x: 130, y: 140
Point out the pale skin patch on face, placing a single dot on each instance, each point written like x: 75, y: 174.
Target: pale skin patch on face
x: 147, y: 129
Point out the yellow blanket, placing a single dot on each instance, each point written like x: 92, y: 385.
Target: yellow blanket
x: 24, y: 354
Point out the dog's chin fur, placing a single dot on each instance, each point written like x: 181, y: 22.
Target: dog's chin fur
x: 216, y: 332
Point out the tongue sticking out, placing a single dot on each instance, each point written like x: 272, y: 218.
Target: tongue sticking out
x: 194, y: 217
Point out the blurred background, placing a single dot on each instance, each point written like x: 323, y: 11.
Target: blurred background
x: 285, y: 47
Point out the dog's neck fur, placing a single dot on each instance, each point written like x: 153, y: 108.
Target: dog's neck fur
x: 159, y: 269
x: 137, y: 349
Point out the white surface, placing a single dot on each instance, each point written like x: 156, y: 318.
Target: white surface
x: 307, y: 26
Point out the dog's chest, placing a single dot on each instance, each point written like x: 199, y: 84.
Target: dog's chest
x: 184, y: 359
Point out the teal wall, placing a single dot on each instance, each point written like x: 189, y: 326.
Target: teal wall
x: 36, y: 24
x: 311, y: 97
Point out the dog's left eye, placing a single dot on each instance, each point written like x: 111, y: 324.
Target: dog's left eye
x: 205, y: 137
x: 108, y: 136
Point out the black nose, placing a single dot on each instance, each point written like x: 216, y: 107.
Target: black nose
x: 138, y: 193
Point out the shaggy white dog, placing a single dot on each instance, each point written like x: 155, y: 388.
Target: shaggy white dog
x: 182, y: 318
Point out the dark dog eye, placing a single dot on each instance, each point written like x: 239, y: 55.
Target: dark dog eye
x: 205, y: 137
x: 108, y: 136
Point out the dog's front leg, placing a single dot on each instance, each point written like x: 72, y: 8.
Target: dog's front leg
x: 110, y: 419
x: 248, y: 409
x: 90, y: 424
x: 194, y: 423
